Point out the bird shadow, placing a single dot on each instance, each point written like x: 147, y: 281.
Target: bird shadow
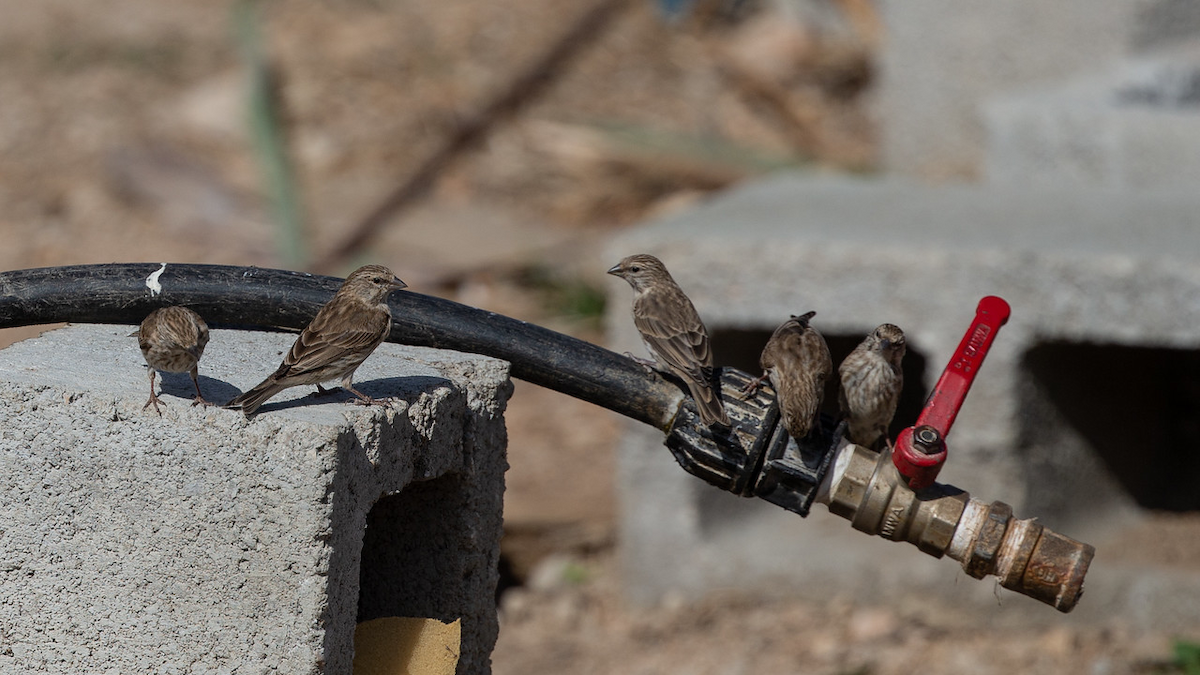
x: 379, y: 388
x: 180, y: 384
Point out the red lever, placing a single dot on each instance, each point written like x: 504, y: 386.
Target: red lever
x: 920, y: 450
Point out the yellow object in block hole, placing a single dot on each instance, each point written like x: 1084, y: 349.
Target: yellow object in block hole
x: 398, y: 645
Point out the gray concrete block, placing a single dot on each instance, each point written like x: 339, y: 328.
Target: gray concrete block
x: 943, y: 58
x: 1137, y: 126
x: 943, y: 61
x: 202, y: 542
x: 1090, y: 291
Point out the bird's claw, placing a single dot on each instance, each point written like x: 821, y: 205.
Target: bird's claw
x: 751, y: 388
x: 154, y: 400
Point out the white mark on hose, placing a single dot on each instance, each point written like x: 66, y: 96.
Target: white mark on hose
x: 152, y: 281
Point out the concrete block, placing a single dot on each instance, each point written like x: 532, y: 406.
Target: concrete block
x: 943, y: 58
x: 1068, y: 420
x: 1137, y: 126
x: 201, y: 542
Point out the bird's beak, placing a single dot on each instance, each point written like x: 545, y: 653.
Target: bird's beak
x: 615, y: 270
x: 397, y: 284
x: 885, y: 343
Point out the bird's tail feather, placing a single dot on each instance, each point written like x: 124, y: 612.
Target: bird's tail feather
x: 708, y: 404
x: 249, y: 401
x: 801, y: 416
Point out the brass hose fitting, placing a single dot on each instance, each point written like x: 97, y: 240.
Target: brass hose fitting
x: 866, y: 489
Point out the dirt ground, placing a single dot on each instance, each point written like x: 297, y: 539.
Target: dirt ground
x: 123, y: 137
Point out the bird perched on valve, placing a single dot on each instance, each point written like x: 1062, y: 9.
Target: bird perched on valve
x: 172, y: 339
x: 345, y: 331
x: 672, y: 331
x: 871, y: 381
x: 796, y: 360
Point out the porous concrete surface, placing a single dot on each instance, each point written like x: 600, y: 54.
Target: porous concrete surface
x: 203, y: 542
x: 1136, y: 125
x: 1077, y: 266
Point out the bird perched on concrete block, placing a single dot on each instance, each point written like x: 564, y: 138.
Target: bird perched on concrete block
x: 172, y: 339
x: 796, y: 360
x: 345, y: 331
x: 871, y: 383
x: 673, y: 331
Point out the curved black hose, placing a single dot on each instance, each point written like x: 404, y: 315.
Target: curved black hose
x: 266, y: 298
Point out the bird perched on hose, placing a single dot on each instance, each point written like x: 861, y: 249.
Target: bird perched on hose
x: 672, y: 331
x: 172, y: 339
x: 871, y: 383
x: 796, y: 360
x: 345, y: 331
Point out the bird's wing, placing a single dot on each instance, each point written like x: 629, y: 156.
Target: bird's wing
x: 673, y: 330
x: 331, y: 337
x: 802, y: 356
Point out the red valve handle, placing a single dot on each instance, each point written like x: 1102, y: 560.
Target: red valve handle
x: 920, y: 450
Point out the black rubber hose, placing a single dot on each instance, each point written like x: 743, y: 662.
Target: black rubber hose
x: 253, y: 297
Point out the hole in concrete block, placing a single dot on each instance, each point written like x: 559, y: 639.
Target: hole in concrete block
x: 1135, y: 408
x: 412, y: 556
x: 741, y: 349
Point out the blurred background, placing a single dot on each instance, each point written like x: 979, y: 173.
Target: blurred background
x: 492, y: 153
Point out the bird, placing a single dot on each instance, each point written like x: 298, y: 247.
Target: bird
x: 345, y: 331
x: 172, y: 339
x: 871, y: 381
x: 796, y: 361
x: 672, y: 331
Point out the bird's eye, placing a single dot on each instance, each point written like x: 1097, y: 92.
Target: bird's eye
x: 635, y: 268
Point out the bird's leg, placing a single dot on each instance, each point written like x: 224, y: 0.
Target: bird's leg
x: 153, y: 397
x: 199, y: 397
x: 882, y: 443
x: 322, y: 391
x: 753, y: 386
x: 363, y: 399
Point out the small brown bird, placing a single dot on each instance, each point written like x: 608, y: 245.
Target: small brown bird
x: 672, y: 331
x: 172, y: 340
x: 336, y: 342
x: 796, y: 360
x: 871, y: 384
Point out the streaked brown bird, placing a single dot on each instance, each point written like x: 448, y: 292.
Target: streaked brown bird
x: 336, y: 342
x: 672, y: 331
x: 172, y: 339
x: 871, y: 384
x: 796, y: 360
